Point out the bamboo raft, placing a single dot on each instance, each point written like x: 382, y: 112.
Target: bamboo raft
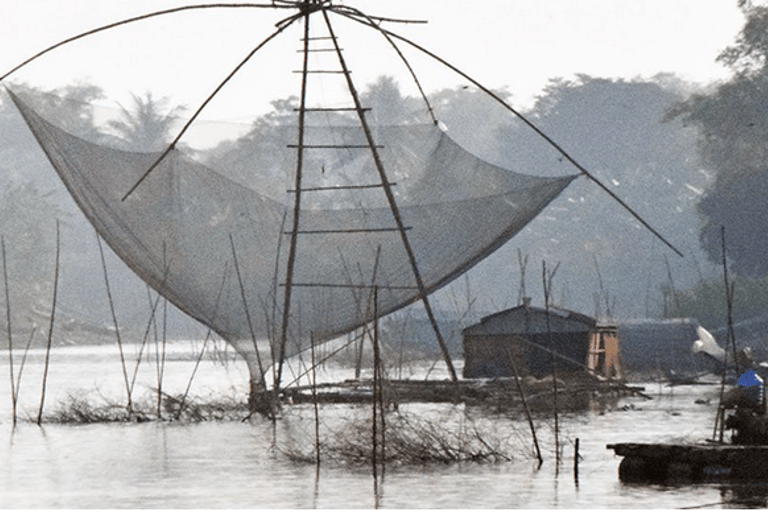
x: 678, y: 463
x: 476, y: 392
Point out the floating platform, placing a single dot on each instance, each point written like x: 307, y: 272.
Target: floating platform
x: 681, y: 463
x: 501, y: 392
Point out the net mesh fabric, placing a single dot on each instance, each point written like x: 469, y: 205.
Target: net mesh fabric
x: 215, y: 242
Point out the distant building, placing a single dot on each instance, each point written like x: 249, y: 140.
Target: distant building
x: 535, y: 340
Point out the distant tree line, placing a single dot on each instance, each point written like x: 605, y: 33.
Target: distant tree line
x: 732, y: 125
x: 688, y: 162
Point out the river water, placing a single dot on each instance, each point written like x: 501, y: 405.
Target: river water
x: 236, y: 464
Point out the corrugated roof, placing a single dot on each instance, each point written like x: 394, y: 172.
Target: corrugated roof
x: 532, y: 320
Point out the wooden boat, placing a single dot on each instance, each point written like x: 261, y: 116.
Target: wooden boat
x: 744, y: 458
x: 678, y: 463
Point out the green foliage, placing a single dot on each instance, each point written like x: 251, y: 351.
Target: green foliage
x: 733, y: 143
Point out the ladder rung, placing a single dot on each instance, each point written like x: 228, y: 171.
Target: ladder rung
x: 319, y: 50
x: 329, y: 285
x: 322, y: 71
x: 332, y: 109
x: 317, y: 38
x: 341, y: 187
x: 343, y: 231
x: 332, y: 146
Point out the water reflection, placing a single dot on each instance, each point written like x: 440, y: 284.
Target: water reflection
x: 744, y: 495
x: 231, y: 464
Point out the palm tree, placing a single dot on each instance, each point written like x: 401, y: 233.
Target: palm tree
x: 147, y: 126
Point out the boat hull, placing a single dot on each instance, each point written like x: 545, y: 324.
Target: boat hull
x: 676, y: 463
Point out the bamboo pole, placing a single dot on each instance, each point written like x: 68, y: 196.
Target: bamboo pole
x: 205, y: 343
x: 263, y: 382
x: 23, y: 361
x: 374, y: 397
x: 10, y: 331
x: 295, y: 220
x: 183, y: 401
x: 576, y: 462
x: 270, y: 5
x: 379, y: 376
x: 129, y: 405
x: 355, y: 16
x: 547, y: 281
x: 314, y: 400
x: 160, y: 345
x: 394, y: 208
x: 161, y: 370
x: 719, y: 416
x: 525, y: 406
x: 153, y: 311
x: 729, y: 301
x: 50, y: 327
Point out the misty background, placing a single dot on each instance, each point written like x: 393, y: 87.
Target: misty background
x: 690, y: 161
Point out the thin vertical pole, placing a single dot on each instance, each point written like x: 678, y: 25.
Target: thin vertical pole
x: 392, y: 203
x: 23, y: 361
x: 183, y: 401
x: 527, y: 409
x: 129, y: 406
x: 376, y: 386
x: 379, y: 374
x: 553, y: 360
x: 50, y: 327
x: 296, y: 210
x: 8, y: 321
x: 729, y: 300
x: 314, y: 400
x: 248, y: 318
x: 205, y: 343
x: 576, y: 462
x: 162, y: 358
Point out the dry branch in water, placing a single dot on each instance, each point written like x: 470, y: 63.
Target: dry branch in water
x: 413, y: 440
x: 82, y: 408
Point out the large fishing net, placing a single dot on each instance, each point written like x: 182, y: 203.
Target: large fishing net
x: 215, y: 241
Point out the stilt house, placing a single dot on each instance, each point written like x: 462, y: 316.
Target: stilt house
x: 533, y: 341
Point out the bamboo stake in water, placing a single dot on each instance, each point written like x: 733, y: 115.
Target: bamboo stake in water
x: 50, y: 327
x: 10, y: 336
x: 23, y: 361
x: 314, y: 400
x: 376, y: 395
x: 547, y: 286
x: 183, y: 402
x: 527, y: 409
x: 263, y: 382
x: 379, y: 373
x: 576, y: 461
x: 160, y: 357
x: 729, y: 299
x: 129, y: 406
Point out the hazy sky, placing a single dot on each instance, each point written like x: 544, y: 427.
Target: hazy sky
x: 519, y: 44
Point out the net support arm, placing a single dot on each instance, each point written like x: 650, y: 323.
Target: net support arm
x: 519, y: 115
x: 393, y: 205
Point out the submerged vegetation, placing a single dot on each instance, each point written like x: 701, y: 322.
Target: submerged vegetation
x: 408, y: 439
x: 422, y: 434
x: 84, y: 407
x: 443, y: 435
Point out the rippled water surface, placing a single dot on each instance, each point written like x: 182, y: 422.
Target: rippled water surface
x: 233, y: 464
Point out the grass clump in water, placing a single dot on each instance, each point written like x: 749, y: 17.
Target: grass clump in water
x: 83, y: 408
x: 411, y: 440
